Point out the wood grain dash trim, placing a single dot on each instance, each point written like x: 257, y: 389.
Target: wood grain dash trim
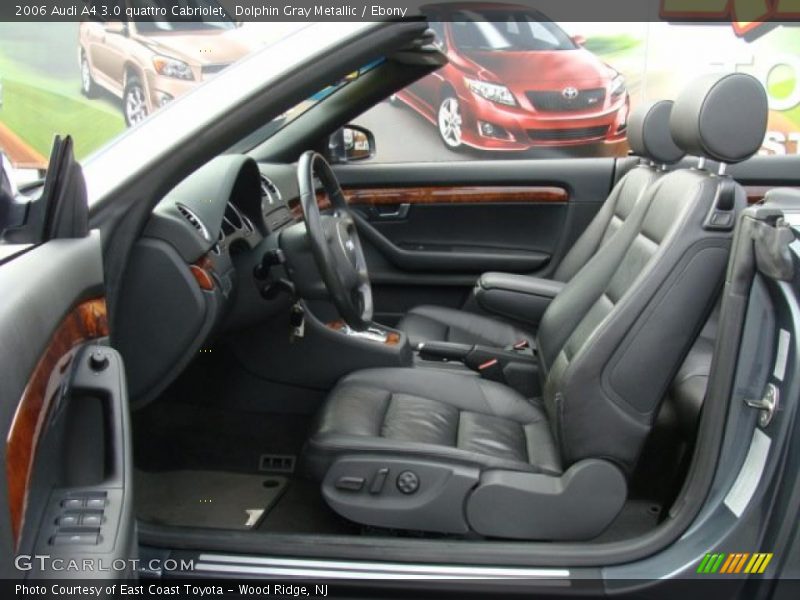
x: 87, y: 321
x: 202, y: 272
x: 392, y: 337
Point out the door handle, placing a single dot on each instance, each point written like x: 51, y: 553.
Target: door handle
x: 398, y: 213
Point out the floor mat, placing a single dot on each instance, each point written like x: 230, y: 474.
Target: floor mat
x: 303, y: 510
x: 214, y: 499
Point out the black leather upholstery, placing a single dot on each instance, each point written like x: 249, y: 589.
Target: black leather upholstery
x: 649, y: 135
x: 442, y: 324
x: 609, y: 219
x: 428, y: 323
x: 687, y: 392
x: 722, y: 118
x: 608, y: 346
x: 518, y: 297
x: 611, y: 341
x: 432, y: 413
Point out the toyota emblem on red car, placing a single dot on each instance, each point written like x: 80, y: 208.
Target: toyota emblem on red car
x: 570, y: 93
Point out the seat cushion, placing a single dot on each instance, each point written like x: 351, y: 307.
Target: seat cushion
x: 440, y: 324
x: 432, y: 414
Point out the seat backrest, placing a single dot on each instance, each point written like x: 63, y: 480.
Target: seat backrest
x: 612, y: 340
x: 649, y: 138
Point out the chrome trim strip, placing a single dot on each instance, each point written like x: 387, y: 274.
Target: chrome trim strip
x: 288, y: 567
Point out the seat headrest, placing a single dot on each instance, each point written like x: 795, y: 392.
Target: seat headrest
x: 649, y: 133
x: 723, y: 118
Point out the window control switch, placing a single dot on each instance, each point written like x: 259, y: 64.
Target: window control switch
x: 95, y: 503
x: 92, y: 519
x: 68, y: 520
x: 75, y: 539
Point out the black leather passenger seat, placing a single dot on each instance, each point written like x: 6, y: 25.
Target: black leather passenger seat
x: 649, y: 138
x: 446, y: 451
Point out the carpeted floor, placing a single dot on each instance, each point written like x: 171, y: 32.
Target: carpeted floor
x: 213, y: 499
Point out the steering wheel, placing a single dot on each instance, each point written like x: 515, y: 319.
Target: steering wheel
x: 334, y: 242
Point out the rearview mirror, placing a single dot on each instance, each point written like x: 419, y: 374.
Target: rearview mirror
x: 351, y: 143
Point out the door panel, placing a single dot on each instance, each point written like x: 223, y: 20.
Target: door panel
x: 64, y: 416
x: 430, y: 230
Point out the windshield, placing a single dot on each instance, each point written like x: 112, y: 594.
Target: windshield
x: 189, y: 24
x: 503, y: 31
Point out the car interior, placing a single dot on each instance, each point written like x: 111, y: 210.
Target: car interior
x: 492, y: 350
x: 318, y: 346
x: 276, y: 354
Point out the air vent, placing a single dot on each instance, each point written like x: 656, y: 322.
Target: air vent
x: 195, y: 221
x: 270, y: 191
x: 232, y: 221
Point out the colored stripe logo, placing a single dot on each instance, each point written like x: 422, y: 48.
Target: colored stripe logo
x: 734, y: 563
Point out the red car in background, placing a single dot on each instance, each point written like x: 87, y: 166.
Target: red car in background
x: 515, y: 81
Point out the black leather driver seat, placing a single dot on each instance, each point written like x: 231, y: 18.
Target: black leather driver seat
x: 440, y: 451
x: 649, y: 138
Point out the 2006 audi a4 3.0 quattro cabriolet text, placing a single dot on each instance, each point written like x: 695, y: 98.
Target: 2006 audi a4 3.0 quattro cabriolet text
x: 269, y: 332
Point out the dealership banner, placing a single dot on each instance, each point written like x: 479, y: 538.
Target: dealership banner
x: 558, y: 78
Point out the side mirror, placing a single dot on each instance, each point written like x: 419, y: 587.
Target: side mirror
x: 579, y: 40
x: 351, y: 143
x: 116, y: 27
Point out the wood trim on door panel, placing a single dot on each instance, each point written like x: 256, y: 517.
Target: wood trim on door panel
x: 464, y: 194
x: 456, y: 195
x: 86, y: 322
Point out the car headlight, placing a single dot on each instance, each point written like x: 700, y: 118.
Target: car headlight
x: 617, y: 85
x: 491, y: 91
x: 172, y: 67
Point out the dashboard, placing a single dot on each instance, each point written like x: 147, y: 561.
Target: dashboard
x: 229, y: 205
x: 191, y: 272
